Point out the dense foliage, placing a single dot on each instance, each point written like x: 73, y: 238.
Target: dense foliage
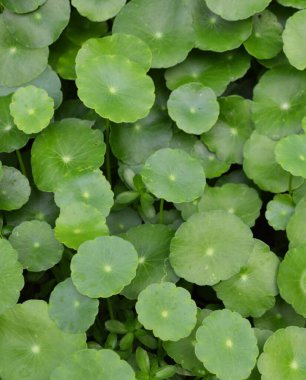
x: 152, y: 189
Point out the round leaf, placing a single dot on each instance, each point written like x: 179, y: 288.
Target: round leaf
x: 79, y: 222
x: 32, y: 109
x: 14, y: 189
x: 11, y: 278
x: 116, y: 88
x: 36, y: 245
x: 70, y: 310
x: 300, y: 4
x: 167, y: 310
x: 235, y: 9
x: 57, y: 153
x: 251, y: 292
x: 193, y: 107
x: 31, y: 345
x: 166, y: 29
x: 92, y: 364
x: 102, y: 267
x: 21, y: 64
x: 293, y: 38
x: 291, y: 279
x: 284, y: 356
x: 39, y: 28
x: 231, y: 341
x: 214, y: 254
x: 279, y: 211
x: 296, y: 225
x: 96, y: 10
x: 18, y: 6
x: 173, y: 175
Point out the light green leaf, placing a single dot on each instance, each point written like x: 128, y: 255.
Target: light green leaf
x: 279, y: 211
x: 121, y: 221
x: 96, y: 10
x: 300, y: 4
x: 18, y: 6
x: 167, y: 310
x: 296, y: 225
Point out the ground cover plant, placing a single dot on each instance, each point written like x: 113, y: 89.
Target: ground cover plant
x: 152, y: 189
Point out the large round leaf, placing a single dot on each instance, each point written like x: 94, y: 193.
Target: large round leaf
x: 260, y: 165
x: 104, y: 266
x: 18, y: 6
x: 32, y: 109
x: 235, y: 9
x: 70, y: 310
x: 11, y: 279
x: 96, y: 10
x: 291, y: 279
x: 11, y: 138
x: 300, y: 4
x: 251, y: 292
x: 31, y: 345
x: 165, y: 27
x: 92, y: 364
x: 36, y: 245
x: 14, y: 189
x: 278, y: 108
x: 238, y: 199
x: 167, y: 310
x: 293, y: 38
x: 193, y: 107
x: 284, y: 356
x: 39, y: 28
x: 214, y: 253
x: 174, y: 175
x: 234, y: 127
x: 65, y: 149
x: 232, y: 349
x: 279, y: 211
x: 91, y: 188
x: 116, y: 88
x: 19, y: 64
x: 152, y: 242
x: 79, y: 222
x: 213, y: 32
x: 296, y: 225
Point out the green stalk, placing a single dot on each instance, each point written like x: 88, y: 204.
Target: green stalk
x: 21, y: 163
x: 107, y: 155
x: 110, y: 308
x: 161, y: 211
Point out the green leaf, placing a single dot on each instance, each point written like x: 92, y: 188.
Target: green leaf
x: 235, y: 9
x: 40, y: 28
x: 238, y: 199
x: 70, y: 310
x: 14, y: 189
x: 96, y: 10
x: 121, y: 221
x: 251, y: 292
x: 152, y: 244
x: 93, y: 364
x: 211, y: 69
x: 167, y: 310
x: 296, y: 225
x: 231, y: 341
x: 265, y: 41
x: 193, y: 107
x: 18, y: 6
x: 174, y: 175
x: 300, y: 4
x: 278, y: 108
x: 115, y: 87
x: 90, y: 188
x: 104, y: 266
x: 57, y: 153
x: 291, y: 279
x: 279, y: 211
x: 234, y: 127
x: 214, y: 254
x: 32, y: 109
x: 11, y: 138
x: 293, y: 38
x: 284, y: 355
x: 79, y: 222
x: 214, y: 33
x: 260, y: 165
x: 36, y: 245
x: 11, y: 278
x: 167, y: 29
x: 31, y: 345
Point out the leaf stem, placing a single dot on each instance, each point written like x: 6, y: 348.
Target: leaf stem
x: 107, y: 155
x: 161, y: 211
x: 21, y: 163
x: 110, y: 308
